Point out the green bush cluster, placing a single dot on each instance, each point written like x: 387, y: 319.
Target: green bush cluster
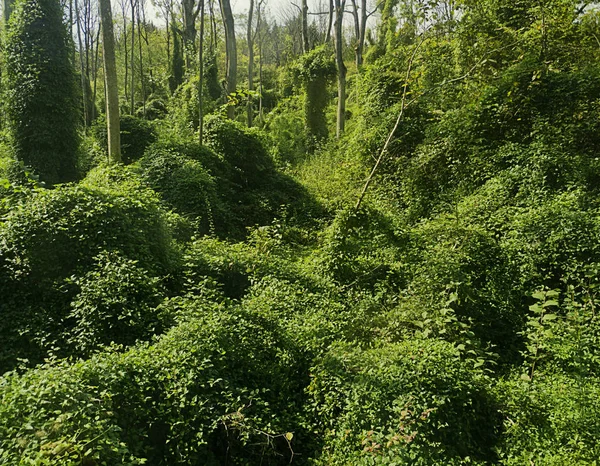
x: 210, y: 391
x: 52, y: 240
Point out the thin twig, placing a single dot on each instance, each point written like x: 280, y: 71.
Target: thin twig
x: 389, y: 138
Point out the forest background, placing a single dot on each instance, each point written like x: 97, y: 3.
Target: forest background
x: 348, y: 233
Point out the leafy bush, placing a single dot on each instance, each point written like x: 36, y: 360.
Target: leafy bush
x: 414, y: 402
x: 184, y: 184
x: 51, y: 236
x: 217, y: 389
x: 116, y: 303
x: 241, y: 149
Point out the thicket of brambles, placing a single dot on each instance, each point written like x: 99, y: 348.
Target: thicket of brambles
x: 421, y: 290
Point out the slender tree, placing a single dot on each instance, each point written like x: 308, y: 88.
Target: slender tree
x: 110, y: 83
x: 231, y: 51
x: 304, y: 14
x: 7, y: 9
x: 201, y: 76
x: 250, y: 39
x: 341, y: 67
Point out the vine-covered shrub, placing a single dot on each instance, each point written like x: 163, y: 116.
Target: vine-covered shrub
x: 42, y: 105
x: 220, y: 387
x: 241, y: 149
x: 116, y: 303
x: 51, y: 236
x: 414, y: 402
x: 185, y: 185
x: 348, y: 261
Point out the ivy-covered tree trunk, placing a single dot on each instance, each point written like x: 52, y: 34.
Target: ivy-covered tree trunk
x: 110, y: 82
x: 42, y: 104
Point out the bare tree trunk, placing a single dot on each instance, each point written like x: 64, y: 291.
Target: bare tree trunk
x: 7, y: 9
x: 110, y: 83
x: 330, y: 22
x: 304, y: 12
x: 84, y: 77
x: 341, y: 68
x: 125, y: 44
x: 360, y: 24
x: 140, y: 34
x: 360, y: 47
x: 231, y: 52
x: 213, y: 27
x: 201, y: 77
x: 250, y: 38
x: 260, y: 64
x: 95, y: 71
x: 132, y: 96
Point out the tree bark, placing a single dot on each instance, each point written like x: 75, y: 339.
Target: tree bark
x: 250, y: 38
x: 7, y: 9
x: 110, y: 83
x: 260, y: 64
x: 341, y: 68
x: 201, y: 77
x: 132, y: 96
x: 360, y: 47
x: 305, y: 42
x: 231, y: 52
x: 82, y: 66
x: 330, y: 22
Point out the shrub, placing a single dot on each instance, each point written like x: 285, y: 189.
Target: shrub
x: 185, y: 185
x: 413, y: 402
x: 116, y: 303
x: 219, y: 388
x: 51, y: 236
x: 241, y: 149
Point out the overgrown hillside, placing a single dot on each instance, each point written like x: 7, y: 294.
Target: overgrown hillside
x: 421, y: 290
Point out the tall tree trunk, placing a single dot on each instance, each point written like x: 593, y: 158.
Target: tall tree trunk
x: 213, y: 27
x: 250, y: 38
x: 341, y: 68
x: 7, y: 9
x: 189, y: 30
x: 363, y: 30
x: 110, y: 83
x: 125, y: 44
x: 201, y: 77
x: 142, y: 83
x: 132, y: 77
x: 330, y: 22
x: 84, y: 76
x: 95, y: 72
x: 260, y: 64
x: 305, y: 42
x: 359, y: 14
x: 231, y: 52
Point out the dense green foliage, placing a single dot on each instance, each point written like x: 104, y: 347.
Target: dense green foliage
x: 41, y: 97
x: 229, y: 303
